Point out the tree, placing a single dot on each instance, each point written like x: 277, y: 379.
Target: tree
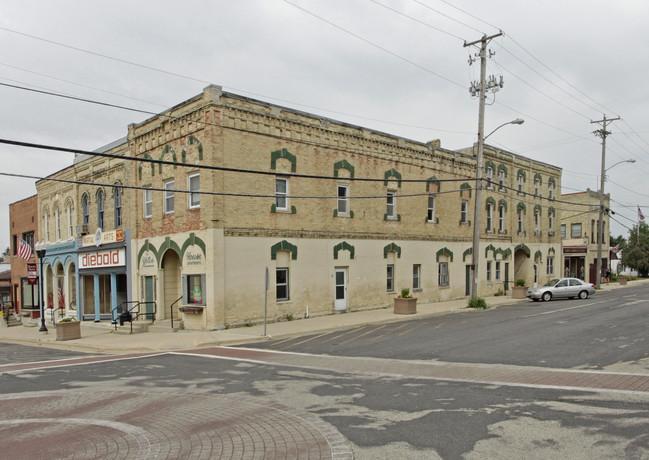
x: 615, y: 240
x: 636, y: 253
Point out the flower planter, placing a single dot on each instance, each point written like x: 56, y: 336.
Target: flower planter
x: 195, y: 310
x: 405, y: 306
x: 68, y: 330
x: 622, y: 280
x: 519, y: 292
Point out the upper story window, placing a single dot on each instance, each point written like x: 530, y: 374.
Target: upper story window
x: 537, y: 187
x: 281, y: 193
x: 490, y: 213
x: 118, y: 206
x: 501, y: 219
x: 391, y: 205
x: 563, y: 231
x: 430, y: 217
x: 551, y: 190
x: 490, y: 176
x: 501, y: 179
x: 85, y: 210
x: 537, y: 222
x: 148, y: 203
x: 575, y: 230
x: 70, y: 221
x: 343, y: 200
x: 521, y: 181
x: 195, y: 188
x: 169, y: 197
x: 520, y: 220
x: 464, y: 212
x: 100, y: 209
x: 57, y: 222
x: 551, y: 222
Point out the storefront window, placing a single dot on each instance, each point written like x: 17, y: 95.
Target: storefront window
x: 194, y: 289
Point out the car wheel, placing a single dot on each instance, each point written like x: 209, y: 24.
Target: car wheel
x: 583, y: 295
x: 546, y: 296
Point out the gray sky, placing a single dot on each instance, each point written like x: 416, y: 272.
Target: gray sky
x: 564, y: 63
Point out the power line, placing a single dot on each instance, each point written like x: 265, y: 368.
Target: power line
x: 449, y: 17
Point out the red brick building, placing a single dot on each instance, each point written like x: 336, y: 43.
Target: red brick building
x: 23, y: 223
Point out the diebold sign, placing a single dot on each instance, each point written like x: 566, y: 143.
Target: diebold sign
x: 102, y: 259
x: 32, y: 274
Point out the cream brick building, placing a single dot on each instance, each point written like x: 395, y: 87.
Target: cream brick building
x: 341, y: 217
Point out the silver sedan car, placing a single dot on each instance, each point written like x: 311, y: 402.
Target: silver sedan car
x: 565, y: 288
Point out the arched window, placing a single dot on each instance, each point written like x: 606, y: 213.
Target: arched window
x: 118, y: 207
x: 100, y: 209
x: 86, y: 213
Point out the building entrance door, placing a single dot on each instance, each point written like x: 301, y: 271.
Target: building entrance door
x: 340, y: 302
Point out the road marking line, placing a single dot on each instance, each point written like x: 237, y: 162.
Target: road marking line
x: 439, y: 325
x: 409, y: 330
x: 306, y: 340
x: 359, y: 336
x: 564, y: 309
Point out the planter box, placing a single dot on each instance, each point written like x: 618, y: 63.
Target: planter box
x: 622, y: 280
x: 519, y: 292
x: 68, y: 331
x: 405, y: 306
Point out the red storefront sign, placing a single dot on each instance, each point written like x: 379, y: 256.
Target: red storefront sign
x: 32, y: 274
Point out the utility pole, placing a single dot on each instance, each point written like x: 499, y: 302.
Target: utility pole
x: 600, y: 227
x: 481, y: 91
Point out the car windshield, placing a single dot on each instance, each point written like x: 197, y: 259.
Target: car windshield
x: 552, y: 282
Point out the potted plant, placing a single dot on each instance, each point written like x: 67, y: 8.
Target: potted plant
x: 519, y: 291
x: 622, y: 280
x: 68, y: 329
x: 405, y: 304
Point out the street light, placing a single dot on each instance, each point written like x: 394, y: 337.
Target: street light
x: 600, y: 226
x: 478, y: 199
x: 41, y: 249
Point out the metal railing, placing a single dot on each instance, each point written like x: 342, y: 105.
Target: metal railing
x: 53, y: 313
x: 133, y: 313
x: 171, y: 311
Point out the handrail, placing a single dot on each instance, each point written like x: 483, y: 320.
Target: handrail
x: 52, y: 313
x: 134, y: 311
x: 149, y: 315
x: 171, y: 311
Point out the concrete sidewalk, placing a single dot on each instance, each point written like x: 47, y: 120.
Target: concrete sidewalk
x: 102, y: 339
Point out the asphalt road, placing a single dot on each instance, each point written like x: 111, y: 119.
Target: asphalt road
x: 180, y: 405
x: 609, y: 328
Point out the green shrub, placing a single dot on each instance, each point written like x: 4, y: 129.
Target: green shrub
x: 477, y: 302
x: 520, y: 282
x: 289, y: 317
x: 405, y: 294
x: 499, y: 293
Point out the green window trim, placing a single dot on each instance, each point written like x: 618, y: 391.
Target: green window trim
x: 522, y: 206
x: 146, y: 156
x: 468, y: 252
x: 433, y: 180
x: 464, y: 187
x: 522, y: 247
x: 344, y: 246
x: 165, y: 246
x: 191, y: 241
x: 283, y: 246
x: 490, y: 248
x: 392, y: 247
x: 490, y: 201
x: 537, y: 207
x: 521, y: 172
x: 166, y: 150
x: 551, y: 210
x: 502, y: 202
x: 392, y: 173
x: 539, y: 177
x: 538, y: 256
x: 502, y: 167
x: 551, y: 251
x: 191, y: 141
x: 444, y: 252
x: 490, y: 164
x: 283, y: 153
x: 343, y: 164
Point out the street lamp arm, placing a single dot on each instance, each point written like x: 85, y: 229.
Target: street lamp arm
x: 622, y: 161
x: 518, y: 121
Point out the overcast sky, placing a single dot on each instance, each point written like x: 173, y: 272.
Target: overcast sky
x: 398, y: 66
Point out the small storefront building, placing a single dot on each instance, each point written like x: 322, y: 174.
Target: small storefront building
x: 60, y: 286
x: 104, y: 274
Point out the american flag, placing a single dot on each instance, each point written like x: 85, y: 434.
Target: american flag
x: 24, y: 249
x: 640, y: 215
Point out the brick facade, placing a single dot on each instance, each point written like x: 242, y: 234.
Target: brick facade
x: 23, y: 220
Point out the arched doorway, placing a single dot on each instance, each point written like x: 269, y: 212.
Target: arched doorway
x: 522, y: 264
x: 59, y: 292
x: 72, y: 286
x: 171, y: 289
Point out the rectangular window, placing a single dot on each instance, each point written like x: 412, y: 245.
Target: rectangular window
x: 28, y: 294
x: 281, y: 193
x: 520, y: 221
x: 391, y: 206
x: 15, y: 245
x: 281, y: 284
x: 537, y: 186
x: 501, y: 179
x: 118, y: 207
x: 563, y: 231
x: 195, y: 290
x: 501, y: 219
x: 29, y: 239
x: 390, y: 278
x: 194, y: 182
x: 551, y: 190
x: 343, y: 200
x: 497, y: 271
x: 490, y: 177
x: 488, y: 271
x: 169, y: 197
x: 100, y: 210
x: 148, y: 203
x: 520, y: 184
x: 537, y: 222
x: 431, y: 209
x: 443, y: 278
x: 57, y: 215
x: 490, y: 212
x: 464, y: 212
x: 550, y: 265
x: 551, y: 223
x: 575, y: 230
x: 70, y: 224
x: 416, y: 277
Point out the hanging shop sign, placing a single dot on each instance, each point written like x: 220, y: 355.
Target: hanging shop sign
x: 103, y: 259
x: 32, y: 274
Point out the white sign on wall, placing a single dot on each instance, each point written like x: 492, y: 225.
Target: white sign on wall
x: 102, y: 259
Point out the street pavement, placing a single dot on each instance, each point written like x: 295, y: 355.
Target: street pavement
x: 102, y: 339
